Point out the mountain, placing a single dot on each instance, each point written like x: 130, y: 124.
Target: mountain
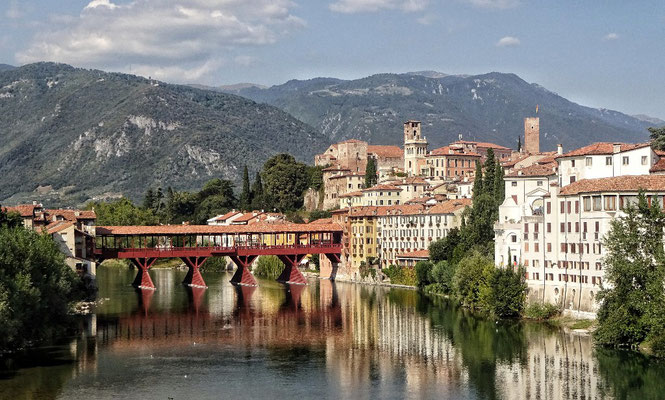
x: 488, y: 107
x: 72, y: 134
x: 6, y: 67
x: 651, y: 120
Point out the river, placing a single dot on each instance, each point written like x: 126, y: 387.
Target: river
x: 325, y: 340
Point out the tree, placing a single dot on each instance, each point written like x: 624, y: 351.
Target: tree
x: 258, y: 201
x: 268, y: 267
x: 631, y: 304
x: 478, y: 180
x: 470, y: 279
x: 370, y: 173
x: 159, y: 196
x: 37, y: 288
x: 149, y: 200
x: 10, y: 219
x: 246, y: 195
x: 443, y: 249
x: 122, y: 212
x: 442, y: 274
x: 216, y: 197
x: 508, y: 292
x: 657, y: 138
x: 519, y: 144
x: 499, y: 186
x: 284, y: 181
x: 423, y: 273
x: 315, y: 176
x: 488, y: 170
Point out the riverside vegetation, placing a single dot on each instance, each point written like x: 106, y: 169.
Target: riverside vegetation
x: 37, y: 287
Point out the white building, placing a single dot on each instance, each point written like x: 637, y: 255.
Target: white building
x: 555, y: 228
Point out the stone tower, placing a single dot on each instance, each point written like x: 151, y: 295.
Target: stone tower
x: 415, y: 147
x: 531, y: 135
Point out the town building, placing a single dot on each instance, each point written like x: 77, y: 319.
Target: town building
x: 451, y: 162
x: 235, y: 217
x: 500, y: 152
x: 556, y: 214
x: 415, y: 148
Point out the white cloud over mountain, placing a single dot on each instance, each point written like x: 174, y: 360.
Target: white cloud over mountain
x: 183, y: 40
x: 508, y: 41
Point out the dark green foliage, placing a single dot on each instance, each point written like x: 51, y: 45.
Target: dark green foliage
x: 319, y: 214
x: 316, y: 261
x: 478, y: 180
x: 370, y: 173
x: 36, y: 288
x: 216, y: 197
x: 401, y: 275
x: 268, y: 267
x: 97, y: 132
x: 519, y: 144
x: 443, y: 249
x: 245, y: 200
x: 121, y: 212
x: 315, y: 176
x: 657, y: 136
x: 541, y: 311
x: 149, y: 200
x: 499, y: 186
x: 488, y: 171
x: 214, y: 264
x: 284, y: 182
x: 258, y: 198
x: 442, y: 275
x: 470, y: 281
x: 423, y: 273
x: 508, y: 292
x: 10, y: 220
x: 631, y: 310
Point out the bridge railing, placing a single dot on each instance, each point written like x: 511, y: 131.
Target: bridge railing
x: 221, y: 249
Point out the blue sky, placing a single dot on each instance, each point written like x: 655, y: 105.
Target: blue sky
x: 598, y: 53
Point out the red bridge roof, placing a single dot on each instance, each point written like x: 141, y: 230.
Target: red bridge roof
x: 216, y: 229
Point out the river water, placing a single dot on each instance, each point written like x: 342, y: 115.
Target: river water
x: 322, y: 341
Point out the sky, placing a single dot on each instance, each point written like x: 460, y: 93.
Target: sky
x: 608, y: 54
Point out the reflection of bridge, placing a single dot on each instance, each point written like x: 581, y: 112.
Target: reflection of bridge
x: 294, y: 320
x: 143, y: 245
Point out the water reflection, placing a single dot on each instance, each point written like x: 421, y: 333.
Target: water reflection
x: 327, y: 340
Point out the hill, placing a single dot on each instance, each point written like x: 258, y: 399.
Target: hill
x: 488, y: 107
x: 70, y: 135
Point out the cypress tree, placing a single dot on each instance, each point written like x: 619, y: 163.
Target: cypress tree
x: 149, y: 200
x: 519, y: 144
x: 258, y: 199
x: 370, y: 172
x: 488, y: 181
x: 478, y: 180
x: 499, y: 187
x: 246, y: 195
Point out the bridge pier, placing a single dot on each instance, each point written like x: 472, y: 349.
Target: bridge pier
x: 243, y: 276
x: 143, y: 280
x: 291, y: 273
x: 193, y: 277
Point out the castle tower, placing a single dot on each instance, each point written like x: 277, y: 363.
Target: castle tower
x: 531, y: 135
x: 415, y: 147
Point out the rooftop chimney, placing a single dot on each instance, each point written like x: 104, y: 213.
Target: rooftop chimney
x: 616, y: 148
x: 559, y: 149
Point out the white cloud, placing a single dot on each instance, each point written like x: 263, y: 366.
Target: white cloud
x: 357, y: 6
x: 508, y: 41
x: 611, y: 36
x: 176, y: 40
x: 502, y: 4
x: 427, y: 19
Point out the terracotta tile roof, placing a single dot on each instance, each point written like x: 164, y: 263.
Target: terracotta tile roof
x: 260, y: 227
x: 449, y: 206
x: 377, y: 188
x: 246, y: 217
x: 415, y: 254
x: 322, y: 221
x: 352, y: 194
x: 625, y: 183
x: 26, y: 210
x: 414, y: 180
x: 534, y: 170
x: 71, y: 215
x: 482, y: 144
x: 658, y: 166
x: 358, y: 174
x: 335, y: 168
x: 58, y: 226
x: 351, y: 141
x: 367, y: 211
x: 447, y: 150
x: 227, y: 215
x: 601, y: 148
x: 386, y: 151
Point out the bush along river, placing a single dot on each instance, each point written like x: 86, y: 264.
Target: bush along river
x: 325, y: 340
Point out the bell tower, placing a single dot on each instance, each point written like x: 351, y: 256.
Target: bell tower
x: 415, y: 147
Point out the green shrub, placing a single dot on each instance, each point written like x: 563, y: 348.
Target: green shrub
x: 442, y: 274
x: 541, y: 311
x: 269, y: 267
x: 401, y: 276
x: 214, y: 264
x: 423, y: 271
x: 508, y: 292
x: 470, y: 281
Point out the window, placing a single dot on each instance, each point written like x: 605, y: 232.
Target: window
x: 549, y: 207
x: 587, y: 203
x: 572, y: 179
x: 596, y: 203
x: 625, y: 160
x: 589, y: 161
x: 549, y: 227
x: 563, y: 207
x: 513, y: 238
x: 572, y: 163
x: 539, y: 183
x: 610, y: 203
x: 577, y: 206
x: 644, y: 160
x: 549, y: 247
x: 608, y: 160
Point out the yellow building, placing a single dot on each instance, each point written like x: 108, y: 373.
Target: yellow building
x: 363, y: 240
